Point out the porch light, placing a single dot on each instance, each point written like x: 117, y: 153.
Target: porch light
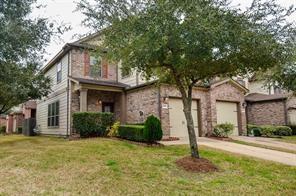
x: 165, y: 99
x: 99, y: 102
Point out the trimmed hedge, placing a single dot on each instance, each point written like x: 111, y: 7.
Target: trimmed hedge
x: 132, y: 132
x: 92, y: 124
x: 269, y: 130
x: 149, y: 132
x: 223, y: 130
x: 293, y: 127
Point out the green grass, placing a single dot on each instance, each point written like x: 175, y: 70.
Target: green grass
x: 289, y: 139
x: 54, y: 166
x: 264, y: 146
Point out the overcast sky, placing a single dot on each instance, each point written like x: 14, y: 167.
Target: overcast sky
x: 64, y: 11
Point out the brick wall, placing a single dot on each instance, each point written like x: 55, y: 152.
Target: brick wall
x: 140, y: 103
x: 266, y: 113
x: 80, y: 66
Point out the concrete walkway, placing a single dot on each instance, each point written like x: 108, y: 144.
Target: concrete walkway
x: 266, y: 142
x: 261, y: 153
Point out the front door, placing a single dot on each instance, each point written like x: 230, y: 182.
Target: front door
x: 108, y: 107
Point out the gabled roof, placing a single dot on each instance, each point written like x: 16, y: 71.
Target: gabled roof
x: 232, y: 82
x: 67, y: 47
x: 258, y: 97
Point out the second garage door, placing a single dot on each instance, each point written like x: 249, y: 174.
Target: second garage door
x: 178, y: 125
x: 227, y: 113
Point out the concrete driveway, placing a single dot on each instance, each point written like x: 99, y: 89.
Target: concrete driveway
x: 261, y: 153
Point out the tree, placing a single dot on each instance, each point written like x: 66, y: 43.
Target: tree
x: 183, y: 42
x: 22, y: 40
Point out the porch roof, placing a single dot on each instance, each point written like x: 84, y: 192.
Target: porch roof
x: 99, y: 84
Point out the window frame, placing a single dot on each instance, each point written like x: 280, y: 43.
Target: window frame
x: 59, y: 72
x: 53, y: 115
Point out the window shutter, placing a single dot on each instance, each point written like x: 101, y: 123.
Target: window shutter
x: 105, y: 68
x: 86, y: 63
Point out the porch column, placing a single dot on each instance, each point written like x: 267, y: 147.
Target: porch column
x: 123, y: 108
x: 83, y: 100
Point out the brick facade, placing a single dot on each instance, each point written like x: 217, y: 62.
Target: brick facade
x: 141, y: 103
x: 267, y: 112
x: 80, y: 61
x: 150, y: 100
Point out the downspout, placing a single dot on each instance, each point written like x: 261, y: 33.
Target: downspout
x: 159, y: 103
x: 286, y: 112
x: 68, y: 95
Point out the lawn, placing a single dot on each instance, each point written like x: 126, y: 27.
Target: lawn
x: 55, y: 166
x: 289, y: 139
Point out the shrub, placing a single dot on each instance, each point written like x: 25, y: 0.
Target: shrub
x: 2, y: 129
x: 113, y: 131
x: 132, y: 132
x: 268, y: 130
x: 223, y: 130
x: 254, y: 130
x: 152, y: 129
x: 283, y: 131
x: 293, y: 127
x: 91, y: 124
x: 19, y: 130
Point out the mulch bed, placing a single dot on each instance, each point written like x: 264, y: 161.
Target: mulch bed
x: 196, y: 165
x: 171, y: 139
x: 155, y: 144
x: 228, y: 139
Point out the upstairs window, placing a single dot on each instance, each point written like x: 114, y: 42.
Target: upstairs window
x: 59, y: 72
x: 95, y: 67
x: 125, y: 73
x: 53, y: 119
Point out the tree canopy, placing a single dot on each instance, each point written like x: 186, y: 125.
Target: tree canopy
x: 186, y: 41
x: 22, y: 41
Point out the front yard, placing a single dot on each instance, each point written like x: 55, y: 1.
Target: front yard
x: 54, y: 166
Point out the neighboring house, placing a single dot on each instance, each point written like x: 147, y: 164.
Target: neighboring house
x: 269, y: 104
x: 2, y: 120
x: 16, y: 118
x: 84, y: 82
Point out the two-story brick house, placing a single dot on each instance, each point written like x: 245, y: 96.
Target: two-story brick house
x: 82, y: 81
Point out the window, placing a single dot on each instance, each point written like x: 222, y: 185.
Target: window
x: 125, y: 73
x: 53, y: 114
x: 59, y: 72
x: 95, y: 67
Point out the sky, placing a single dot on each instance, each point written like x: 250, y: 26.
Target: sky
x: 63, y: 11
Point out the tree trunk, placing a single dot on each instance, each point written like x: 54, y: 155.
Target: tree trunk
x: 187, y: 102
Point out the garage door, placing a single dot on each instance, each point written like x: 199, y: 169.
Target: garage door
x: 292, y: 116
x: 227, y: 113
x: 178, y: 125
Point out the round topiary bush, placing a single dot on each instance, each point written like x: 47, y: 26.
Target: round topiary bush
x: 152, y: 129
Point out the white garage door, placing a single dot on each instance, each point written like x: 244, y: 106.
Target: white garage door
x: 227, y: 113
x: 178, y: 125
x: 292, y: 116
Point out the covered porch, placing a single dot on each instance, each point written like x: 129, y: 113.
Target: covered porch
x: 98, y: 96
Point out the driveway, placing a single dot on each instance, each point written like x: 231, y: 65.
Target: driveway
x: 270, y: 155
x: 266, y: 142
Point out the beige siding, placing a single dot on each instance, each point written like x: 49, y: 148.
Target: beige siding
x: 258, y: 87
x: 59, y: 93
